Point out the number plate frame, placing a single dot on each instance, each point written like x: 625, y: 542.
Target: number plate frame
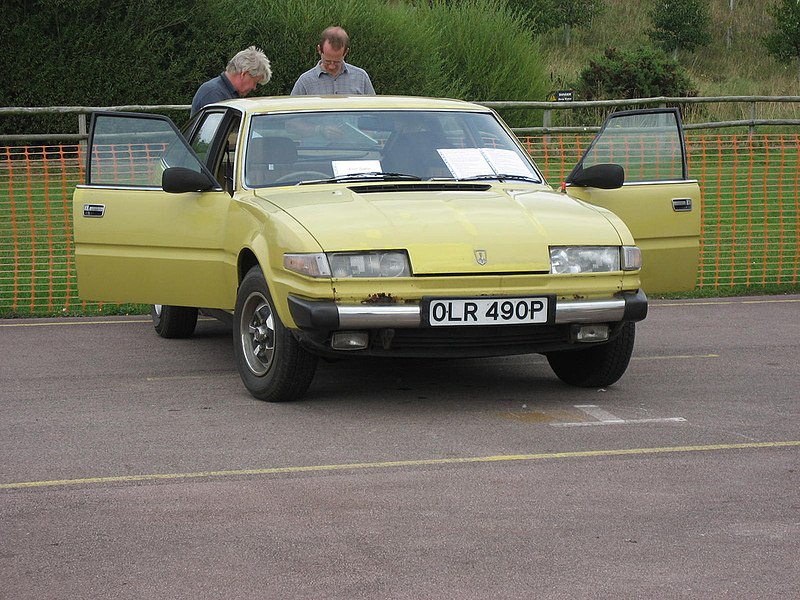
x: 488, y: 311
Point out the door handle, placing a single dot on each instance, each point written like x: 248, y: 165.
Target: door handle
x: 681, y: 204
x: 94, y: 210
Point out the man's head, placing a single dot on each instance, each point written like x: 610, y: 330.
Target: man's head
x: 332, y: 48
x: 248, y: 69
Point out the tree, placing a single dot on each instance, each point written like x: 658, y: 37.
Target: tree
x: 575, y: 13
x: 784, y: 42
x: 544, y: 15
x: 680, y: 25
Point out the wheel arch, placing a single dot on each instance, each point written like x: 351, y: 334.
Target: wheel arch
x: 247, y: 260
x: 250, y: 257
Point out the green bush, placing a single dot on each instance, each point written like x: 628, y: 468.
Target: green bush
x: 126, y: 52
x: 472, y: 49
x: 101, y: 53
x: 638, y: 73
x: 399, y: 51
x: 488, y: 49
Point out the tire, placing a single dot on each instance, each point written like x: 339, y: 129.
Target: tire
x: 272, y: 364
x: 173, y: 321
x: 599, y: 366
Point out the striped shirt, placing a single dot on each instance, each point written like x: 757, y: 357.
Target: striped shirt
x: 318, y: 82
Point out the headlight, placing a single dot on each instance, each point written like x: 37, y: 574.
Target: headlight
x: 584, y: 259
x: 388, y: 263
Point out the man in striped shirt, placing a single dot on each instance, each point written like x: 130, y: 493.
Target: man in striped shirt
x: 332, y: 75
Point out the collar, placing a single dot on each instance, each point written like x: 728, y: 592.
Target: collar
x: 321, y: 71
x: 227, y: 83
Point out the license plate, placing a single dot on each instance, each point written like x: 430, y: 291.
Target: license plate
x: 487, y: 311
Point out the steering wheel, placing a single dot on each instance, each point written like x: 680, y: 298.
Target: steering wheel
x: 301, y: 175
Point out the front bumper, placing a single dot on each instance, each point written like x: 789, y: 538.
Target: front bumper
x: 327, y: 315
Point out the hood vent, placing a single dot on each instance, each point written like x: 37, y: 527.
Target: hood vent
x: 434, y: 186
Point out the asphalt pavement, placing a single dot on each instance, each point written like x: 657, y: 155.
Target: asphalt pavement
x: 138, y: 467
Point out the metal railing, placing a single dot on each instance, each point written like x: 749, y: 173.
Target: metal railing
x: 753, y: 103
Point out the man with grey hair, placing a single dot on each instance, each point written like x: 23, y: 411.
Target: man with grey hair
x: 244, y: 72
x: 332, y: 75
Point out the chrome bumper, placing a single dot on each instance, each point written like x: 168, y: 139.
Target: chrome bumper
x: 327, y: 315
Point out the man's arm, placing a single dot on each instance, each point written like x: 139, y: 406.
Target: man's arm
x: 368, y: 89
x: 299, y: 89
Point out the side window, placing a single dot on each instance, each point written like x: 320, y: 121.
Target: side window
x: 132, y: 150
x: 225, y: 164
x: 648, y: 145
x: 214, y: 141
x: 205, y: 134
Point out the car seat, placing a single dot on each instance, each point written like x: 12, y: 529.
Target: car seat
x: 415, y: 153
x: 269, y: 159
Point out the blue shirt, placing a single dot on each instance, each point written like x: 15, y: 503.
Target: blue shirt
x: 318, y: 82
x: 214, y: 90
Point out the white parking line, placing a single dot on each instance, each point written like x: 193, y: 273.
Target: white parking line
x: 598, y: 413
x: 606, y: 418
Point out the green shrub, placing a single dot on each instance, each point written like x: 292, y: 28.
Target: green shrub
x: 101, y: 53
x: 148, y: 52
x: 399, y: 51
x: 638, y: 73
x: 491, y: 55
x: 472, y: 49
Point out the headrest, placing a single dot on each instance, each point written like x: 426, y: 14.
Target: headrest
x: 272, y: 150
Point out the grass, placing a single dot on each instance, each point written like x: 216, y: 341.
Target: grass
x: 735, y: 62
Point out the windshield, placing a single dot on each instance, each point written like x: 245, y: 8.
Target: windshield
x: 287, y: 149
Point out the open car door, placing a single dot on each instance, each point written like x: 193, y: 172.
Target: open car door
x: 149, y: 220
x: 658, y: 202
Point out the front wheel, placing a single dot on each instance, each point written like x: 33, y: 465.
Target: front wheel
x: 173, y: 321
x: 598, y: 366
x: 272, y: 364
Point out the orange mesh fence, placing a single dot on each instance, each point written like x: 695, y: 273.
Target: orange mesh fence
x: 37, y: 261
x: 750, y: 189
x: 751, y: 212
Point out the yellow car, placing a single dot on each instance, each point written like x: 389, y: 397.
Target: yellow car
x: 384, y: 226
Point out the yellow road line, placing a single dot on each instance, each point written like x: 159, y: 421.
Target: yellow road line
x: 398, y: 463
x: 655, y: 304
x: 675, y: 356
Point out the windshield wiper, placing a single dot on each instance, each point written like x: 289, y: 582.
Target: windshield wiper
x: 500, y: 177
x: 367, y: 176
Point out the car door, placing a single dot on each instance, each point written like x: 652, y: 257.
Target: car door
x: 658, y: 202
x: 136, y: 242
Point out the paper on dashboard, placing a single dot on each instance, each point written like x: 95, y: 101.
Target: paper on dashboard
x: 474, y: 162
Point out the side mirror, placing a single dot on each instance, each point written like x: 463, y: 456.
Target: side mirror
x: 604, y: 176
x: 177, y: 180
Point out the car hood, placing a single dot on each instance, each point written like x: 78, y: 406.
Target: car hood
x: 447, y: 229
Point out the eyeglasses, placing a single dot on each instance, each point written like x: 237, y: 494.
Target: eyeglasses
x: 331, y: 63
